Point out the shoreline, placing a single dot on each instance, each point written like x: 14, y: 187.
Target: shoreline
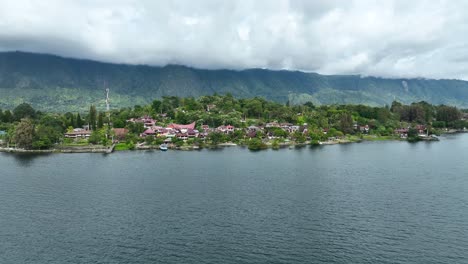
x: 60, y: 150
x: 283, y: 145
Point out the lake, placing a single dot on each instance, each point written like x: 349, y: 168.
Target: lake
x: 372, y: 202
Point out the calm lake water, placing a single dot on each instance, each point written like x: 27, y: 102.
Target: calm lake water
x: 384, y: 202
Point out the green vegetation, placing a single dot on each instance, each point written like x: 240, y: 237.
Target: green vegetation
x: 55, y: 84
x: 124, y: 146
x: 254, y: 122
x: 256, y: 144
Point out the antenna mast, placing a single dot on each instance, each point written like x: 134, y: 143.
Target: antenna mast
x: 107, y: 100
x: 108, y: 111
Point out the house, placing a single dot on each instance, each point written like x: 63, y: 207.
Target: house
x: 146, y: 120
x: 464, y: 116
x: 254, y: 128
x: 78, y: 133
x: 225, y: 129
x: 157, y: 129
x: 364, y: 129
x: 210, y: 106
x: 183, y: 136
x: 202, y: 135
x: 221, y: 129
x: 148, y: 132
x: 272, y: 124
x: 252, y: 133
x: 294, y: 129
x: 288, y: 127
x: 285, y: 126
x: 182, y: 127
x: 192, y: 133
x: 402, y: 132
x: 421, y: 129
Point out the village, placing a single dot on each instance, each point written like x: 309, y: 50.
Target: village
x: 222, y: 120
x: 284, y: 134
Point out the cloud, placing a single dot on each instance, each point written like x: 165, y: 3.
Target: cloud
x: 380, y: 38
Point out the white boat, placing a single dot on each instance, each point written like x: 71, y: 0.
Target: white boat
x: 163, y: 147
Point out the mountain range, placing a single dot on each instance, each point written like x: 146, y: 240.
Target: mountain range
x: 53, y: 83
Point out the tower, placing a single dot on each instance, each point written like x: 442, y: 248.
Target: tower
x: 107, y: 100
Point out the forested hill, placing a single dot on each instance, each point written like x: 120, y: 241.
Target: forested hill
x: 54, y: 83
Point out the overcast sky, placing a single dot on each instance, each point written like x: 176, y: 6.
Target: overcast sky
x: 408, y: 38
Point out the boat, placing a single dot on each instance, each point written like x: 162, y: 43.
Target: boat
x: 163, y: 147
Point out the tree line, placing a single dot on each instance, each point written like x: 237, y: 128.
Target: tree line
x: 30, y: 129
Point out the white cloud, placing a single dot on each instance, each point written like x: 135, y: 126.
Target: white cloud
x: 384, y: 38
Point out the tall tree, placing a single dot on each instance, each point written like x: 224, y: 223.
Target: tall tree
x: 448, y: 113
x: 346, y: 123
x: 92, y: 117
x: 79, y: 121
x: 100, y: 121
x: 24, y: 133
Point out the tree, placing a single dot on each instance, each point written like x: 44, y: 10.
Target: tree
x: 24, y: 110
x: 69, y: 119
x: 79, y: 121
x: 100, y: 121
x: 396, y: 106
x: 156, y: 105
x: 383, y: 114
x: 44, y: 137
x: 346, y: 123
x: 7, y: 117
x: 298, y: 137
x: 448, y: 114
x: 92, y: 117
x: 24, y: 133
x: 278, y: 132
x: 149, y: 140
x: 10, y: 136
x: 216, y: 138
x: 135, y: 127
x: 181, y: 118
x: 169, y: 103
x: 256, y: 144
x: 96, y: 137
x: 310, y: 105
x: 254, y: 107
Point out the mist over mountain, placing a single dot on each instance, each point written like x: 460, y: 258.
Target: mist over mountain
x: 54, y: 83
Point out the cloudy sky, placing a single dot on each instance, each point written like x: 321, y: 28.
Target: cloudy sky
x: 381, y: 38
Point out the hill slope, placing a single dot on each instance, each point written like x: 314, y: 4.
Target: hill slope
x: 54, y: 83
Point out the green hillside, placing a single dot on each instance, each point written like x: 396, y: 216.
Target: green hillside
x: 54, y: 83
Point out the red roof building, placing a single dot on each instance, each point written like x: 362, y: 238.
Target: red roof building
x: 179, y: 127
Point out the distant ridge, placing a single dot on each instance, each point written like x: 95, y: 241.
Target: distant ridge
x: 54, y: 83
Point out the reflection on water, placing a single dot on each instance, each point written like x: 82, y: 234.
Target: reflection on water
x: 27, y: 159
x: 373, y: 202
